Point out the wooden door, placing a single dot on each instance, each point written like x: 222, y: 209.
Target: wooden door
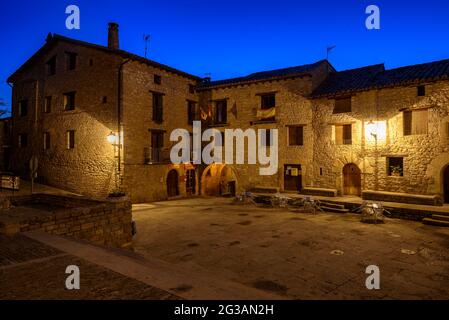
x: 352, y: 180
x: 292, y: 178
x: 172, y: 184
x: 446, y: 184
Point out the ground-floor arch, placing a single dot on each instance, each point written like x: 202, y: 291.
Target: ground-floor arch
x: 352, y: 180
x: 218, y: 180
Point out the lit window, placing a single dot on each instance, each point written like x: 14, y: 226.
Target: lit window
x: 395, y: 166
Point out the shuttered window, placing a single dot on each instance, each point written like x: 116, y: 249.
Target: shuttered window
x: 158, y: 108
x: 296, y: 135
x: 416, y: 122
x: 343, y: 134
x: 343, y: 105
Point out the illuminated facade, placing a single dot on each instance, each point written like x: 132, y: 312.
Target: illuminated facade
x: 340, y: 133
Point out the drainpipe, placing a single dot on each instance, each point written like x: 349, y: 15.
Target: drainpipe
x: 119, y: 120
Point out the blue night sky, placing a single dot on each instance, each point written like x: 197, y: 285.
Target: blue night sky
x: 233, y: 38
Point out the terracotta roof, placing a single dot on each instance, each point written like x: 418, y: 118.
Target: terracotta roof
x: 267, y: 75
x: 52, y: 39
x: 375, y: 77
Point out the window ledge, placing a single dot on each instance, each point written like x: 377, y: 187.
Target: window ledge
x: 215, y: 125
x: 262, y: 122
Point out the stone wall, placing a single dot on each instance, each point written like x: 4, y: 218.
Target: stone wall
x: 425, y: 156
x: 89, y: 167
x: 144, y: 181
x: 106, y: 223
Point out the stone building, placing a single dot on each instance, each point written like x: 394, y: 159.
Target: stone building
x: 366, y: 130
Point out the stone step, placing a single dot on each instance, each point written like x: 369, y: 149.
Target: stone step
x: 440, y: 217
x: 332, y: 205
x: 335, y: 210
x: 438, y: 223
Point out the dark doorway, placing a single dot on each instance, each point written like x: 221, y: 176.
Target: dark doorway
x: 446, y: 184
x: 191, y: 182
x: 172, y: 184
x: 352, y: 180
x: 292, y: 177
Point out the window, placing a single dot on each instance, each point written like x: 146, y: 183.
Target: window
x: 69, y: 101
x: 221, y: 111
x: 23, y: 140
x: 158, y: 107
x: 296, y: 135
x: 157, y: 143
x: 105, y: 99
x: 415, y: 122
x: 157, y: 79
x: 70, y: 59
x: 191, y: 88
x: 91, y: 62
x: 23, y: 108
x: 191, y: 112
x: 46, y: 140
x: 395, y: 166
x: 343, y: 134
x: 421, y: 91
x: 268, y: 101
x: 343, y: 105
x: 51, y: 66
x: 47, y: 104
x: 71, y: 139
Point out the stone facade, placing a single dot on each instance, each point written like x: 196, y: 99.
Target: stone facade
x: 425, y: 156
x: 114, y: 93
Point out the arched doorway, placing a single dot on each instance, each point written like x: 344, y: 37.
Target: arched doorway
x: 218, y: 180
x: 446, y: 184
x: 352, y: 180
x: 172, y: 183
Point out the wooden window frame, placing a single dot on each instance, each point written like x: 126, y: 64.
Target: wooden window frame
x: 298, y: 139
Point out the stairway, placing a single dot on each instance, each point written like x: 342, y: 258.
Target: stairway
x: 440, y: 220
x: 332, y: 207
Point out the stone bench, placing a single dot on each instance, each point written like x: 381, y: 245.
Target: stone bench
x: 322, y: 192
x: 430, y: 200
x: 264, y: 190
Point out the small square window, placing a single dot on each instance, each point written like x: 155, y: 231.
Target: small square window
x: 268, y: 101
x: 91, y: 62
x: 105, y: 99
x: 71, y: 139
x: 421, y: 91
x: 191, y: 88
x: 157, y: 79
x: 395, y: 166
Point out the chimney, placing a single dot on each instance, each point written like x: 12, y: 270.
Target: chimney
x: 113, y: 42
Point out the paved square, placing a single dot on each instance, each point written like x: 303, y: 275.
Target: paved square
x: 295, y: 255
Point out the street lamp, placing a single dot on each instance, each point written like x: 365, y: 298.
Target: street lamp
x: 114, y: 140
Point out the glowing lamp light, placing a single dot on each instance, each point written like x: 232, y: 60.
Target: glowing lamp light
x: 112, y: 138
x: 375, y: 130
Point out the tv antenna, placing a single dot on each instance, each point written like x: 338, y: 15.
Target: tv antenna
x: 146, y: 39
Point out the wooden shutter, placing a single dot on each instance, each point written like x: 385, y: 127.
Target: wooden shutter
x: 347, y: 134
x: 419, y: 121
x: 407, y: 123
x: 343, y: 105
x: 338, y: 134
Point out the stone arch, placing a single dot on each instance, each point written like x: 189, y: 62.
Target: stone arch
x: 218, y: 179
x: 435, y: 171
